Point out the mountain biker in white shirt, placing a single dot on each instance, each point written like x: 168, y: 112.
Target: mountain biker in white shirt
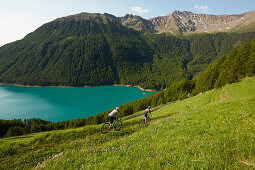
x: 111, y: 115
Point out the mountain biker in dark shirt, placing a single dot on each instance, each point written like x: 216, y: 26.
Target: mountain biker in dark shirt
x: 146, y: 112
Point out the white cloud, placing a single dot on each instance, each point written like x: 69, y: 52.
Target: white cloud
x: 139, y: 9
x: 203, y: 8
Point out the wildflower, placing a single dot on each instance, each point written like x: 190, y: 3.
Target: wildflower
x: 67, y: 159
x: 174, y: 156
x: 151, y: 150
x: 150, y: 146
x: 112, y: 148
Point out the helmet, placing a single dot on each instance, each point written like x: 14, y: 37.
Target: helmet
x: 117, y: 108
x: 149, y: 107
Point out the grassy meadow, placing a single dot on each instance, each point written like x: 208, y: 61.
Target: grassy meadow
x: 213, y: 130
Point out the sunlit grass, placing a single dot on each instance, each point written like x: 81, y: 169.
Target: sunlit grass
x: 214, y: 130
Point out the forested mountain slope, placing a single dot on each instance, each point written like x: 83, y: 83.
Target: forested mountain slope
x: 228, y: 69
x: 95, y: 49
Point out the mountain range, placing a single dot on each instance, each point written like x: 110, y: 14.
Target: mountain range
x: 182, y: 22
x: 90, y: 49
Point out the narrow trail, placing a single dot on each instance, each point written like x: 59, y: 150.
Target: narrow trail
x: 23, y: 136
x: 151, y: 111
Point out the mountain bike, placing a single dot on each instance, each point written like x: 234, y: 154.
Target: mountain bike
x: 116, y: 125
x: 142, y: 122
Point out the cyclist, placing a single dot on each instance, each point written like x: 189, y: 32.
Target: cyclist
x: 112, y: 114
x: 148, y: 110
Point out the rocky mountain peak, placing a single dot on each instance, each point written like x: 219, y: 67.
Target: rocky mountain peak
x: 136, y: 22
x: 128, y: 16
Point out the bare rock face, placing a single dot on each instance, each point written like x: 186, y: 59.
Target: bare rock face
x: 188, y: 22
x: 137, y: 23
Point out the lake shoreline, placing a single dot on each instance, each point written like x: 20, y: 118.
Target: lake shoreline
x: 20, y: 85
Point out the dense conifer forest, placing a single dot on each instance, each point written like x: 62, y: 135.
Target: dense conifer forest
x: 239, y: 64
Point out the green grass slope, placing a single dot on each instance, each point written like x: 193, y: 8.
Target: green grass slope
x: 213, y: 130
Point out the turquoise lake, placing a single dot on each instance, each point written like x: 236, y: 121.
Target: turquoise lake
x: 57, y: 104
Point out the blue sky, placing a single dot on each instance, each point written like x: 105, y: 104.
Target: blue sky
x: 20, y: 17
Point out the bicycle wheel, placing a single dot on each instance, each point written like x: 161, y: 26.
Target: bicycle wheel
x: 142, y: 123
x: 105, y: 128
x: 117, y: 125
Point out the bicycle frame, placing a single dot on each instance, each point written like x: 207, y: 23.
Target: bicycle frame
x: 115, y: 121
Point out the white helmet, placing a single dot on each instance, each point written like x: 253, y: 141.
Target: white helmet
x: 117, y: 108
x: 149, y: 107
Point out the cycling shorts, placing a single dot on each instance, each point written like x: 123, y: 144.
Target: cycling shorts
x: 146, y: 114
x: 111, y: 119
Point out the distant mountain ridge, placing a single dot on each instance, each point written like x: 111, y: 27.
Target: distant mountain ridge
x: 181, y: 22
x: 188, y: 22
